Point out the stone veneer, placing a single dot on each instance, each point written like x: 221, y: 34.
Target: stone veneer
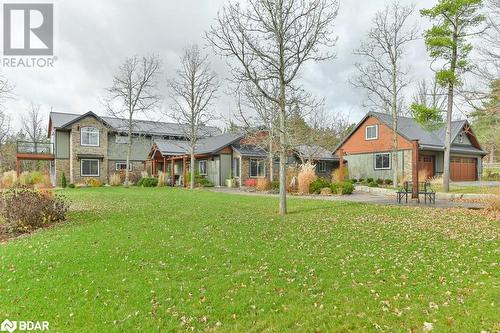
x: 62, y: 165
x: 76, y: 148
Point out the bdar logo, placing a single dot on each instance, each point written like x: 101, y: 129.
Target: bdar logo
x: 8, y: 326
x: 28, y: 29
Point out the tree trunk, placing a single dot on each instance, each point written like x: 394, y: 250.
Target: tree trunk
x: 129, y: 151
x: 394, y: 127
x: 191, y: 185
x: 282, y: 129
x: 449, y: 112
x: 271, y: 162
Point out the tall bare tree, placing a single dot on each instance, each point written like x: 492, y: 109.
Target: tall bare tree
x: 383, y: 73
x: 34, y: 124
x: 134, y: 91
x: 432, y: 95
x: 192, y: 93
x: 270, y: 41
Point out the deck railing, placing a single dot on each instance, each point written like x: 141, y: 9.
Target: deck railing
x: 38, y: 148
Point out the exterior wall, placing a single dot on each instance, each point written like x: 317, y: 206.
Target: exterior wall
x: 141, y: 146
x: 76, y: 148
x: 357, y: 143
x: 213, y: 170
x: 330, y: 167
x: 137, y: 166
x: 363, y: 166
x: 62, y: 144
x: 61, y: 165
x: 225, y: 168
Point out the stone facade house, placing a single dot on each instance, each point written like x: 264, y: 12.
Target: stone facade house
x: 89, y: 146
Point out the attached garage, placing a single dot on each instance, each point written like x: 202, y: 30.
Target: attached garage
x: 463, y: 168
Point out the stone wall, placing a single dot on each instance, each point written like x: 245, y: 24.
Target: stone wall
x: 76, y: 148
x: 62, y: 165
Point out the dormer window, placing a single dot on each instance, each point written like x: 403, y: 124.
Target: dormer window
x: 371, y: 132
x: 89, y: 136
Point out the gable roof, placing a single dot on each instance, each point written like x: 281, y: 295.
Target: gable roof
x: 315, y: 152
x: 249, y: 150
x: 208, y: 145
x: 145, y: 127
x: 412, y: 130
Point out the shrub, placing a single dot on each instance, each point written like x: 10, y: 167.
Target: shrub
x: 388, y: 181
x: 335, y: 174
x: 24, y: 210
x: 342, y: 187
x: 115, y: 179
x: 325, y: 191
x: 316, y: 186
x: 372, y: 184
x: 369, y: 180
x: 275, y: 185
x: 71, y: 185
x: 306, y: 177
x: 292, y: 174
x: 199, y: 180
x: 379, y: 181
x: 353, y: 180
x: 360, y: 180
x: 93, y: 182
x: 148, y: 182
x: 263, y: 184
x: 24, y: 179
x: 9, y: 179
x: 64, y: 183
x: 37, y: 177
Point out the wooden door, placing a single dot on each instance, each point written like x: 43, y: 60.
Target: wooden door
x: 463, y: 168
x: 425, y: 167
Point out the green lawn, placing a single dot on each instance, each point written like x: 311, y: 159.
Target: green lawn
x: 469, y: 189
x: 162, y: 259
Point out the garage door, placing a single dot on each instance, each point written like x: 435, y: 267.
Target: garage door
x: 463, y: 168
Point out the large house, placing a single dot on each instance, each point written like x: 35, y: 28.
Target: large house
x: 87, y: 145
x: 368, y: 149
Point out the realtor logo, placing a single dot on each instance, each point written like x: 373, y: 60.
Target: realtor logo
x: 8, y: 326
x: 28, y: 29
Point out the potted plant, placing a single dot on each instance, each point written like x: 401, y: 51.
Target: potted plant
x: 231, y: 182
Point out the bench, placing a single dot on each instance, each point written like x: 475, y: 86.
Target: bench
x: 422, y: 188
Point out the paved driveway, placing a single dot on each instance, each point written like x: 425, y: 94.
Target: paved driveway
x: 477, y: 183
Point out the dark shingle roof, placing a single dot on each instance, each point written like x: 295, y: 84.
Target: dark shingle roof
x: 315, y: 152
x: 412, y: 130
x: 249, y: 150
x: 206, y: 145
x: 62, y: 120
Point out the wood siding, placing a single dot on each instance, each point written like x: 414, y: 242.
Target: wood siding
x: 357, y: 144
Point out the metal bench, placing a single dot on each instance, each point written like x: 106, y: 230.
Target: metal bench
x: 422, y: 188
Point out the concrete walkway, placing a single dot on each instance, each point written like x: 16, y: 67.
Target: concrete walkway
x: 361, y: 197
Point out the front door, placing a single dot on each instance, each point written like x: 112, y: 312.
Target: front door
x: 425, y: 167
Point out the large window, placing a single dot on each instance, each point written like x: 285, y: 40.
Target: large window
x: 89, y: 136
x: 382, y: 161
x: 202, y: 168
x: 89, y: 168
x: 371, y: 132
x: 236, y: 167
x: 322, y: 166
x: 119, y: 166
x: 257, y: 168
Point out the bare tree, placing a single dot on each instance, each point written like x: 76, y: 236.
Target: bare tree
x: 383, y: 73
x: 134, y: 91
x: 192, y: 93
x: 34, y: 124
x: 430, y: 95
x: 270, y: 41
x: 4, y: 127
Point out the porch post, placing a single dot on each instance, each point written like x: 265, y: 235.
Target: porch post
x: 341, y: 165
x: 184, y: 171
x: 165, y: 165
x: 153, y: 172
x: 414, y: 169
x: 18, y: 166
x: 172, y: 170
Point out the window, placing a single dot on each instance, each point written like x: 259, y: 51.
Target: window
x: 236, y: 167
x: 257, y: 168
x: 461, y: 137
x: 382, y: 161
x: 89, y: 136
x: 119, y: 166
x: 89, y: 168
x: 203, y: 167
x: 371, y: 132
x: 121, y: 139
x: 322, y: 166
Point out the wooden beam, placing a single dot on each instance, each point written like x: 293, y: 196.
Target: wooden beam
x: 184, y: 171
x: 18, y: 166
x: 35, y: 157
x: 172, y: 174
x: 414, y: 169
x: 341, y: 165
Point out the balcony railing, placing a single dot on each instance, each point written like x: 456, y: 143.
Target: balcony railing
x: 38, y: 148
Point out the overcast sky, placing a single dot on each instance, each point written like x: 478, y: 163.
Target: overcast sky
x: 94, y: 37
